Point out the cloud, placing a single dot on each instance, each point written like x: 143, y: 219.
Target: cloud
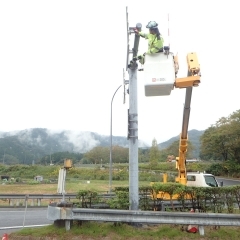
x: 81, y: 140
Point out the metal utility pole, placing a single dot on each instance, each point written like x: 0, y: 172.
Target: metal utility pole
x: 133, y: 139
x: 133, y: 123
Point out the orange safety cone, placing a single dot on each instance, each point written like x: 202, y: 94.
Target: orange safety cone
x: 5, y: 236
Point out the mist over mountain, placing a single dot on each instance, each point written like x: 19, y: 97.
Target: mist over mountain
x: 64, y: 140
x: 35, y: 143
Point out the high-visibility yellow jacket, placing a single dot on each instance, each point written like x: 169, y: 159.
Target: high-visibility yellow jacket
x: 155, y: 43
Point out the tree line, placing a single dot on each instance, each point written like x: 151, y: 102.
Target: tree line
x: 221, y: 141
x: 152, y: 155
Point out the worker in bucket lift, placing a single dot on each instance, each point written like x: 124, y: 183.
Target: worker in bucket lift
x: 155, y: 41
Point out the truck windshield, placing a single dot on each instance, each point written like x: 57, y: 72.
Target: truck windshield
x: 211, y: 181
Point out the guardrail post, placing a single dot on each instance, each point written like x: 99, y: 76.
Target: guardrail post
x: 162, y: 206
x: 39, y: 202
x: 201, y: 230
x: 11, y: 202
x: 67, y: 225
x: 32, y: 202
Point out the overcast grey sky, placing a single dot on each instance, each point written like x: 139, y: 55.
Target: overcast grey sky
x: 61, y: 62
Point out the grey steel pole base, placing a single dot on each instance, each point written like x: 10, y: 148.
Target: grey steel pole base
x: 133, y: 140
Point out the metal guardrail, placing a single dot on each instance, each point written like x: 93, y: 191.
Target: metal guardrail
x: 36, y: 196
x: 142, y: 217
x: 152, y: 217
x: 46, y: 196
x: 35, y: 199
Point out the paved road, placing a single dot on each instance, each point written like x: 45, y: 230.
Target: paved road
x: 11, y: 219
x: 228, y: 182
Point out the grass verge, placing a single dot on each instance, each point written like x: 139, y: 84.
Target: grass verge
x: 121, y: 231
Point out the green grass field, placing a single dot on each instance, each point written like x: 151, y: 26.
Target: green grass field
x: 71, y: 186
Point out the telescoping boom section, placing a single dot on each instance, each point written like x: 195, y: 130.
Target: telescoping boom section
x: 192, y: 80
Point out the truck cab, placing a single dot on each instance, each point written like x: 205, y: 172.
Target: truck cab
x: 201, y: 179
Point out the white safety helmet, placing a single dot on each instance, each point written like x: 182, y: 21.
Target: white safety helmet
x: 152, y: 25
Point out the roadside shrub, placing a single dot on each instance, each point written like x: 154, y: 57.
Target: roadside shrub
x: 120, y: 201
x: 86, y: 198
x: 18, y: 180
x: 216, y: 169
x: 33, y: 182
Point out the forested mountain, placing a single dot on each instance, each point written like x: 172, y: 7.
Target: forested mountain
x: 193, y: 136
x: 31, y: 145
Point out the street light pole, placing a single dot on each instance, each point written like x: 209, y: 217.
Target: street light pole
x: 110, y: 160
x: 51, y: 156
x: 4, y: 157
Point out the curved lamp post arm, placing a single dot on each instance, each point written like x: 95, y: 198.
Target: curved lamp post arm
x: 110, y: 160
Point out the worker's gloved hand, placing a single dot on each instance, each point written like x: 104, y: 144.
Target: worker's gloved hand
x: 135, y: 59
x: 136, y: 31
x: 141, y: 58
